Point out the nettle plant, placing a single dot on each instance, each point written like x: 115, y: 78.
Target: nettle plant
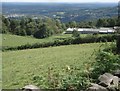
x: 106, y: 61
x: 68, y: 77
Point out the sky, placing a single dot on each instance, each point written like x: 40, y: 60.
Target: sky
x: 60, y: 0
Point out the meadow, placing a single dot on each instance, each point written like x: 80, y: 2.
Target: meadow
x: 9, y: 40
x: 21, y: 67
x: 14, y: 40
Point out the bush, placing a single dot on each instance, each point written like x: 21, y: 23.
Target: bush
x: 75, y: 34
x: 106, y: 61
x: 65, y: 80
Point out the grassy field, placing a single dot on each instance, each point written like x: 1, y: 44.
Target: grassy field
x: 20, y: 67
x: 14, y: 40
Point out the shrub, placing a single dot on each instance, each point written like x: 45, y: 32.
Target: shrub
x: 65, y: 80
x: 106, y: 61
x: 77, y: 41
x: 75, y: 34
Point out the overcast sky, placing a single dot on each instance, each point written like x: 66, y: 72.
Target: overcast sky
x: 60, y: 0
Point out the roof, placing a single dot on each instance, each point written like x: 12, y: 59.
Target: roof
x: 91, y: 29
x: 71, y: 29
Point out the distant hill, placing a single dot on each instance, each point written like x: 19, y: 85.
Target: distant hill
x: 64, y: 11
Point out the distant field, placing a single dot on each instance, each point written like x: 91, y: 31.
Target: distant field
x: 19, y: 67
x: 14, y: 40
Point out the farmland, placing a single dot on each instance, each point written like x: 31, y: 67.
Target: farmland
x: 14, y: 40
x: 19, y: 67
x: 37, y: 51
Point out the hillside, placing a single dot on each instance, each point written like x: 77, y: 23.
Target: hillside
x: 64, y: 11
x: 59, y: 45
x: 20, y: 67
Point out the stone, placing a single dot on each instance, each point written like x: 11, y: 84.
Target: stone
x: 30, y: 88
x: 117, y: 73
x: 96, y: 87
x: 105, y: 79
x: 112, y: 89
x: 115, y: 81
x: 114, y: 85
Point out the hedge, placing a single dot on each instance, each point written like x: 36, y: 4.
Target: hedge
x: 68, y: 41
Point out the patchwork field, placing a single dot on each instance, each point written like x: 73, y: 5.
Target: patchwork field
x: 20, y: 67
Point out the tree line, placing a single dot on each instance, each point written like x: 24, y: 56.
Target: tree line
x: 42, y: 28
x: 104, y: 22
x: 39, y: 28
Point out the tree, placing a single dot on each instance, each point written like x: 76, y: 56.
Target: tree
x: 4, y: 28
x: 13, y: 25
x: 117, y: 30
x: 30, y: 20
x: 118, y: 22
x: 43, y: 32
x: 23, y: 23
x: 73, y: 24
x: 90, y: 24
x: 29, y: 31
x: 111, y: 22
x: 64, y: 26
x: 100, y: 23
x: 75, y: 34
x: 5, y: 25
x: 58, y: 24
x: 23, y: 32
x: 17, y: 30
x: 30, y: 28
x: 7, y: 22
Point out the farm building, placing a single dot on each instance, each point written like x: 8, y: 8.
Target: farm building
x: 90, y: 30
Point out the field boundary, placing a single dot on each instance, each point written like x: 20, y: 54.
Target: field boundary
x: 68, y: 41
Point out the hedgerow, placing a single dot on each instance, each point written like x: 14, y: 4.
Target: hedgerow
x: 68, y: 41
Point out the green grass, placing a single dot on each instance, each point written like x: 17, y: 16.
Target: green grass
x: 14, y: 40
x: 19, y: 67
